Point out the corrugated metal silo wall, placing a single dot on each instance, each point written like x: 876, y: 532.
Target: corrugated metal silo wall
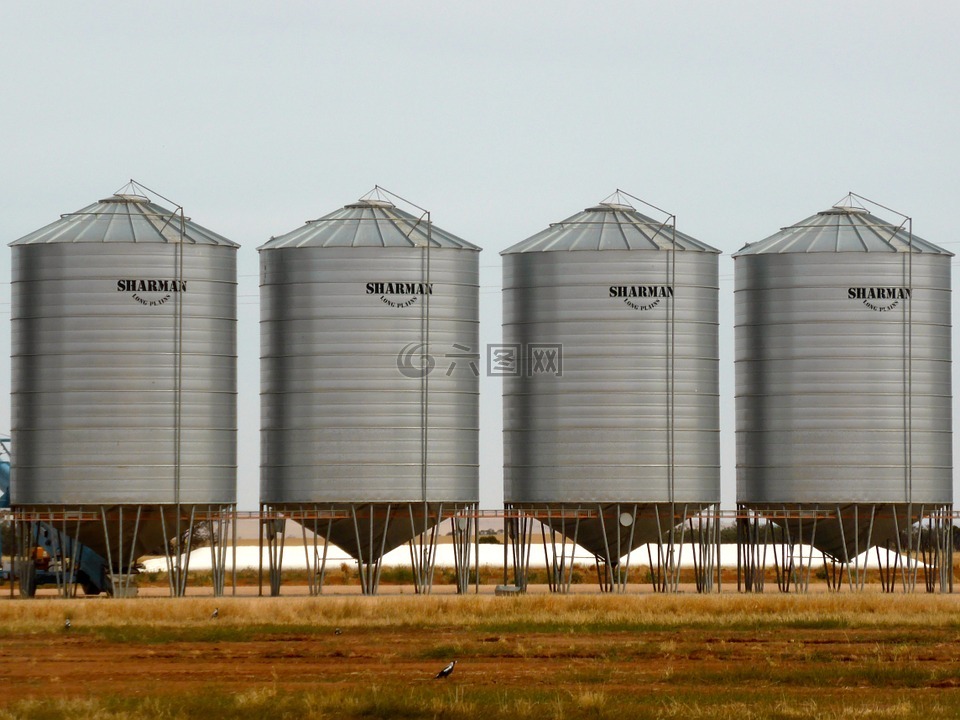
x: 832, y: 384
x: 340, y: 422
x: 95, y: 374
x: 601, y: 431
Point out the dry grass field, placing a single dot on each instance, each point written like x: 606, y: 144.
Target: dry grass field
x: 537, y: 656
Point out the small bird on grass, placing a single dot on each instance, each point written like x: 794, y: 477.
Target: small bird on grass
x: 446, y: 672
x: 216, y: 614
x: 67, y: 624
x: 338, y: 631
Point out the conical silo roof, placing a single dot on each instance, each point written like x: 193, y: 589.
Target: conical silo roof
x: 123, y: 218
x: 609, y: 225
x: 845, y: 227
x: 368, y: 223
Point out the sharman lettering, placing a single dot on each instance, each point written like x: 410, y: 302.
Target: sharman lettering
x: 878, y: 293
x: 399, y: 288
x: 166, y: 286
x: 641, y: 291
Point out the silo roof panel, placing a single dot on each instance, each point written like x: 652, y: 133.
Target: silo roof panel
x: 123, y: 219
x: 842, y: 229
x: 367, y: 234
x: 609, y: 226
x: 368, y: 223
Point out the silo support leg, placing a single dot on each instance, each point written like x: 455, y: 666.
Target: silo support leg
x: 276, y: 530
x: 873, y: 515
x: 946, y: 548
x: 383, y: 543
x: 416, y: 556
x: 607, y: 563
x: 935, y: 546
x: 704, y: 558
x: 573, y: 549
x: 899, y: 559
x: 167, y: 555
x: 120, y: 566
x: 184, y: 553
x: 369, y: 554
x: 318, y: 561
x: 843, y: 545
x: 549, y: 556
x: 463, y: 524
x: 326, y: 545
x: 751, y: 550
x: 519, y: 540
x: 311, y: 554
x: 68, y: 548
x: 811, y: 546
x: 176, y: 555
x: 364, y: 566
x: 914, y: 548
x: 657, y: 575
x: 219, y: 522
x: 24, y: 569
x: 625, y: 570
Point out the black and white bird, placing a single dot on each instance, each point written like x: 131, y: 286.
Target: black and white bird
x: 67, y: 624
x: 446, y: 671
x: 216, y: 614
x: 338, y: 631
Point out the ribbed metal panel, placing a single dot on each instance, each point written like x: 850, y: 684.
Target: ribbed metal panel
x: 369, y: 223
x: 124, y: 219
x: 104, y: 373
x: 634, y: 417
x: 842, y: 396
x: 340, y: 422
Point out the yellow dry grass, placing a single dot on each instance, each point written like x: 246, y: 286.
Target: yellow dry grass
x: 476, y: 611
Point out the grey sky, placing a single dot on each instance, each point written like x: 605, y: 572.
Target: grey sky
x: 740, y: 117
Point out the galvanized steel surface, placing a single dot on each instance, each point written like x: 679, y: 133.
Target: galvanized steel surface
x: 342, y: 398
x: 124, y: 219
x: 635, y: 415
x: 98, y: 385
x: 368, y: 223
x: 842, y: 229
x: 609, y: 226
x: 843, y: 373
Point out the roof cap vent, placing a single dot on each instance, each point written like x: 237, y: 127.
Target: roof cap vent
x: 844, y: 210
x: 369, y: 203
x: 126, y: 198
x: 610, y: 207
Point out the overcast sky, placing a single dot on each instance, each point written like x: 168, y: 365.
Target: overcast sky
x: 739, y: 117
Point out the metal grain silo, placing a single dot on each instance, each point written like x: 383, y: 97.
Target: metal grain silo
x: 370, y: 388
x: 124, y: 375
x: 611, y: 414
x: 843, y: 359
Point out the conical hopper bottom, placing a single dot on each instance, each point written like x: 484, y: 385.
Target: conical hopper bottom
x: 842, y: 532
x: 367, y: 532
x: 611, y: 530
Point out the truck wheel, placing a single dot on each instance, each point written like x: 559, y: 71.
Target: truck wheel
x: 88, y: 587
